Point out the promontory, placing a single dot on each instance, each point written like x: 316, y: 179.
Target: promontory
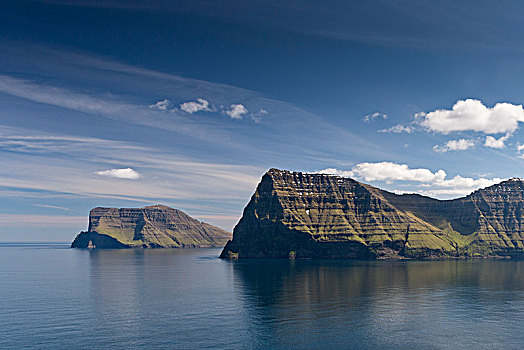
x: 300, y: 215
x: 155, y: 226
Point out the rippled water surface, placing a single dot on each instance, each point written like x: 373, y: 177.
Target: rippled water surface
x: 53, y: 297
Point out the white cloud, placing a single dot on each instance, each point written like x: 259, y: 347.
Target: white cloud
x: 371, y: 117
x: 468, y: 183
x: 496, y: 143
x: 459, y: 185
x: 257, y: 117
x: 433, y: 183
x: 161, y: 105
x: 473, y: 115
x: 333, y: 171
x: 126, y: 173
x: 195, y: 106
x: 398, y: 129
x: 520, y: 148
x: 387, y: 171
x: 236, y: 111
x: 455, y: 145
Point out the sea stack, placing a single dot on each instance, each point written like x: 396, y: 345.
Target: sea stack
x: 299, y: 215
x: 155, y: 226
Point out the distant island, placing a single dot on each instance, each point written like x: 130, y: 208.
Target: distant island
x: 299, y: 215
x: 155, y: 226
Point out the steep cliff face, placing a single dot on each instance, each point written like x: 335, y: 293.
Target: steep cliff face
x: 302, y: 215
x: 150, y: 227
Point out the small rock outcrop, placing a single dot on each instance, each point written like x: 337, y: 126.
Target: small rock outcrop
x: 155, y: 226
x: 299, y: 215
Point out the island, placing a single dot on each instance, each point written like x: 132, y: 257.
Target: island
x: 300, y: 215
x: 155, y: 226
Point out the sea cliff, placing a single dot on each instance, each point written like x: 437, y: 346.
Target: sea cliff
x: 299, y: 215
x: 149, y: 227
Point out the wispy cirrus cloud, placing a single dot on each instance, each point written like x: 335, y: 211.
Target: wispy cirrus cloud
x: 63, y: 165
x: 205, y: 129
x: 98, y: 72
x: 18, y: 140
x: 51, y: 206
x: 109, y: 106
x: 79, y: 154
x: 66, y: 166
x: 35, y: 220
x: 60, y: 97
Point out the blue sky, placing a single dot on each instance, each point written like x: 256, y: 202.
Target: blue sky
x: 188, y: 103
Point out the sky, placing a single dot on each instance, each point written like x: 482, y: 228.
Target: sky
x: 188, y: 103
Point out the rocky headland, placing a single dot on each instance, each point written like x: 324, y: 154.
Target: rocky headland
x: 155, y: 226
x: 299, y: 215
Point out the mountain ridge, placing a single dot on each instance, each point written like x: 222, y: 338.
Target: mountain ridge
x: 328, y: 216
x: 156, y: 226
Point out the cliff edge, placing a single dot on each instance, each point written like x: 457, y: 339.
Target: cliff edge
x: 299, y: 215
x: 155, y: 226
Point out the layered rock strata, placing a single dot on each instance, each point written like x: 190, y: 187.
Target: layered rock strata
x: 149, y: 227
x: 299, y: 215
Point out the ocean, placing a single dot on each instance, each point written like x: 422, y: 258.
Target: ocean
x: 54, y: 297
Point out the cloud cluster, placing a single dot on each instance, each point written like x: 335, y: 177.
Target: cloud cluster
x: 196, y: 106
x: 371, y: 117
x: 455, y: 145
x: 126, y: 173
x: 473, y: 115
x: 398, y: 129
x: 236, y: 111
x: 430, y: 183
x: 388, y: 171
x: 257, y: 117
x: 162, y: 105
x: 496, y: 143
x: 520, y: 148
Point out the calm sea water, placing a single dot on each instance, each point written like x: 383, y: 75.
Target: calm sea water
x: 53, y: 297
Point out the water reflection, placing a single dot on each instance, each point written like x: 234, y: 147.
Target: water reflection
x: 189, y: 299
x: 161, y: 298
x: 384, y: 304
